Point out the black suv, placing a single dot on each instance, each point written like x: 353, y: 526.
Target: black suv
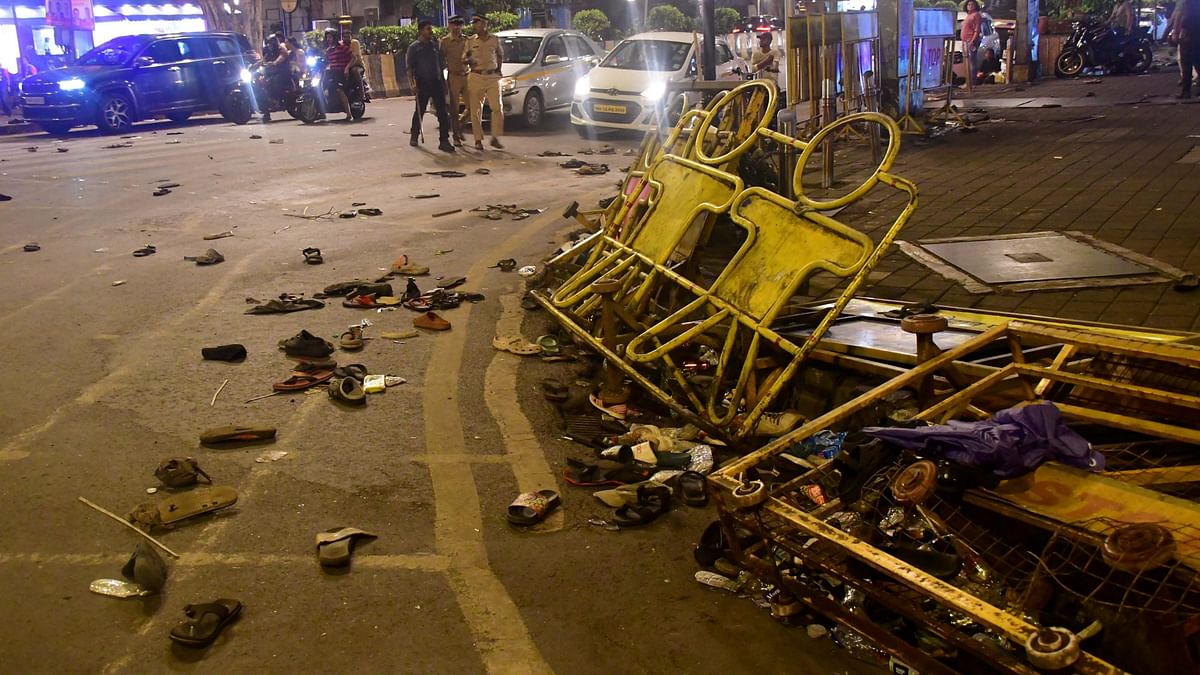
x: 138, y: 77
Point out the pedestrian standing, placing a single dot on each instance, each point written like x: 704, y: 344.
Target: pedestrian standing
x: 453, y: 47
x: 483, y: 57
x: 5, y: 84
x: 971, y: 37
x: 425, y: 67
x: 1185, y: 31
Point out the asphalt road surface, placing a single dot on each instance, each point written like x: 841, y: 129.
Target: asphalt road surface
x: 105, y: 380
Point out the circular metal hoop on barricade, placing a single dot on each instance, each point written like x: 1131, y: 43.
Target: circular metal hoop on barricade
x: 889, y: 156
x: 729, y: 98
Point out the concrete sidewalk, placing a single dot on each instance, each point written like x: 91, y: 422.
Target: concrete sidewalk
x: 1030, y: 169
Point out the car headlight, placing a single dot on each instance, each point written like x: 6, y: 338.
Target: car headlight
x: 655, y: 91
x: 73, y: 84
x: 316, y: 80
x: 311, y: 61
x: 246, y: 76
x: 507, y: 85
x: 582, y: 86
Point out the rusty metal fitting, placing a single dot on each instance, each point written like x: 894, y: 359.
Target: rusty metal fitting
x: 923, y: 324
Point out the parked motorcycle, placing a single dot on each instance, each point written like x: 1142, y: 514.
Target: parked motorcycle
x: 256, y: 93
x: 1093, y: 44
x: 317, y: 96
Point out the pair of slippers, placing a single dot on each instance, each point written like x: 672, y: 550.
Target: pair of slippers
x: 651, y: 502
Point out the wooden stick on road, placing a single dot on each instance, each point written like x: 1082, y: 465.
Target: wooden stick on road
x: 218, y: 393
x: 130, y: 525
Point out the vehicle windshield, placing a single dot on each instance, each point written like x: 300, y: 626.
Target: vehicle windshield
x: 657, y: 55
x: 520, y: 49
x: 116, y: 52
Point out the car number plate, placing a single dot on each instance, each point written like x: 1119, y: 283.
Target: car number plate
x: 605, y: 108
x: 35, y: 100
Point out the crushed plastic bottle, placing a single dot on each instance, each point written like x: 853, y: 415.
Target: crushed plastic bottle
x: 718, y: 581
x: 118, y: 588
x: 858, y: 646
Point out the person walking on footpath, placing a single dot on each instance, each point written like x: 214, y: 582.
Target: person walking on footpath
x: 1185, y: 32
x: 484, y: 56
x: 424, y: 60
x: 971, y: 38
x: 453, y: 47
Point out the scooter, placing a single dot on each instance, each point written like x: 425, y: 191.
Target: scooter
x: 317, y: 96
x: 1093, y: 44
x: 256, y: 94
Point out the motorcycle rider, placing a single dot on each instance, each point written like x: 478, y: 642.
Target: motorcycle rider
x: 276, y: 56
x: 338, y: 56
x: 1121, y: 19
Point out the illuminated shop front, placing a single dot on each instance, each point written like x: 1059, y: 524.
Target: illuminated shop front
x: 47, y: 38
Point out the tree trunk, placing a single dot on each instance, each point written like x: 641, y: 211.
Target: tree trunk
x: 248, y: 21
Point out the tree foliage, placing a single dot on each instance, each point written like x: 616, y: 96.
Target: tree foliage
x: 498, y: 21
x: 591, y: 22
x: 243, y: 16
x: 726, y: 18
x: 666, y: 17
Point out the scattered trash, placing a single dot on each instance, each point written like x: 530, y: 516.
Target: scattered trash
x: 425, y: 195
x: 276, y: 141
x: 63, y: 149
x: 255, y: 137
x: 209, y: 257
x: 439, y: 214
x: 447, y: 174
x: 270, y: 456
x: 119, y: 282
x: 118, y: 145
x: 482, y: 171
x: 219, y: 235
x: 399, y: 335
x: 217, y: 393
x: 527, y: 271
x: 393, y: 380
x: 118, y: 588
x: 151, y: 490
x: 31, y: 248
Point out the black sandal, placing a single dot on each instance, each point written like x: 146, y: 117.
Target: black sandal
x: 651, y: 504
x: 312, y: 256
x: 207, y: 622
x: 144, y: 251
x: 693, y: 488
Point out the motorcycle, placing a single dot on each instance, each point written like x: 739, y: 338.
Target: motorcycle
x: 317, y: 96
x: 256, y: 93
x: 1093, y: 44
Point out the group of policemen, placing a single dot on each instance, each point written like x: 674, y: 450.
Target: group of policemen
x: 471, y: 68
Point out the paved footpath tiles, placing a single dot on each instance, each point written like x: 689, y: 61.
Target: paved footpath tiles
x: 1114, y: 176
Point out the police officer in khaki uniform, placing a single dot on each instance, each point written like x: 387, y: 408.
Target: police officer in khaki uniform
x: 453, y: 47
x: 483, y: 56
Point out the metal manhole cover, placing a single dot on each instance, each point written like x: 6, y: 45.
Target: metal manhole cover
x: 1037, y: 261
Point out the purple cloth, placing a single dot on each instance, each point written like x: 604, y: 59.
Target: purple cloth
x: 1013, y: 442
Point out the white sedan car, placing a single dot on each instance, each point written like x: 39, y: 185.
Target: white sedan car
x: 541, y: 67
x: 626, y: 89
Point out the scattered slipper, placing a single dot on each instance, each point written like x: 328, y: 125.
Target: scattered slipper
x: 616, y: 411
x: 506, y: 265
x: 235, y: 434
x: 305, y: 343
x: 335, y: 546
x: 528, y: 303
x: 693, y: 487
x: 180, y: 472
x: 351, y: 339
x: 146, y: 568
x: 625, y: 495
x: 361, y: 302
x: 531, y: 508
x: 370, y: 212
x: 206, y: 621
x: 515, y: 345
x: 431, y: 321
x: 555, y: 391
x: 209, y: 257
x: 347, y: 389
x: 234, y: 352
x: 161, y: 192
x: 447, y: 283
x: 218, y: 235
x: 174, y: 508
x: 399, y: 335
x: 402, y: 266
x: 312, y: 256
x: 651, y: 503
x: 144, y: 251
x: 299, y: 381
x: 356, y: 371
x: 549, y: 345
x: 31, y: 248
x: 281, y: 306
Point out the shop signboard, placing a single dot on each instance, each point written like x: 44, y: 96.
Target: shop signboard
x: 70, y: 14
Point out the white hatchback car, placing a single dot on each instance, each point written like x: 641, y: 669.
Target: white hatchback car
x: 541, y: 67
x: 625, y: 90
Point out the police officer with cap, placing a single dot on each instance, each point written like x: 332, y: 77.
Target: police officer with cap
x: 453, y: 46
x: 483, y: 57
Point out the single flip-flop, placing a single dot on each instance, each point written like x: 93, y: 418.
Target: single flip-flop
x: 312, y: 255
x: 402, y: 265
x: 582, y: 474
x: 515, y: 345
x: 506, y: 265
x: 531, y: 508
x: 347, y: 389
x: 146, y: 568
x: 209, y: 257
x: 651, y: 503
x: 451, y: 282
x: 693, y: 487
x: 144, y: 251
x: 353, y: 370
x: 361, y: 302
x: 234, y: 434
x: 299, y: 381
x: 177, y: 507
x: 549, y: 345
x: 555, y: 391
x: 351, y: 339
x: 206, y: 621
x: 616, y: 411
x: 31, y: 248
x: 336, y: 545
x: 370, y: 211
